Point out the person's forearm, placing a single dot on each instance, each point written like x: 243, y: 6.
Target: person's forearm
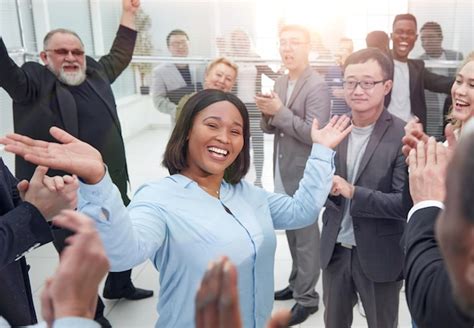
x: 128, y: 20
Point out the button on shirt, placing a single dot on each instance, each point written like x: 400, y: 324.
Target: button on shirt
x: 180, y: 228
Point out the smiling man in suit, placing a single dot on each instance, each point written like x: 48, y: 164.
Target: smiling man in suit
x: 364, y: 217
x: 287, y: 113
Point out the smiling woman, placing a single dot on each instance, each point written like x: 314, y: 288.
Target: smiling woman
x: 204, y: 209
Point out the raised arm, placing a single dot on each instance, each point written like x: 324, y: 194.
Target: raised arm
x: 130, y: 237
x: 129, y: 11
x: 17, y: 83
x: 120, y: 55
x: 303, y: 208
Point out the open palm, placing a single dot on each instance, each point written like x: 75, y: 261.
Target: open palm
x: 333, y: 133
x: 70, y: 155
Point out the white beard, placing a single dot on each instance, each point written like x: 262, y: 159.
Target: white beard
x: 72, y: 78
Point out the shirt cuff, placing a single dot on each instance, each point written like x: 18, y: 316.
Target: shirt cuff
x: 75, y: 322
x: 99, y: 192
x: 424, y: 204
x: 322, y: 152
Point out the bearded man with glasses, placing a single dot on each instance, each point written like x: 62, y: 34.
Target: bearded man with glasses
x: 364, y: 217
x: 73, y: 91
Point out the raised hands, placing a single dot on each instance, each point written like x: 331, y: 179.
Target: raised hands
x: 129, y: 11
x: 70, y: 155
x: 333, y: 133
x: 130, y: 6
x: 72, y: 291
x: 49, y: 195
x: 217, y: 300
x: 413, y: 133
x: 427, y: 163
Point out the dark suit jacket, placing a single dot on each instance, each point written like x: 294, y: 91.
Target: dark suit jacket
x: 22, y: 228
x: 428, y: 289
x: 421, y: 79
x: 377, y: 210
x: 292, y: 124
x: 40, y: 100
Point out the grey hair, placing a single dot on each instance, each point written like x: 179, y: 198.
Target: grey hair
x: 50, y: 34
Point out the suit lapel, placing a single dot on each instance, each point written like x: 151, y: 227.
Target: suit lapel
x: 282, y: 89
x: 68, y: 109
x: 380, y: 128
x: 341, y: 154
x: 412, y: 76
x: 99, y: 89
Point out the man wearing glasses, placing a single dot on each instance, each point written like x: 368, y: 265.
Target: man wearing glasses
x: 172, y: 81
x: 288, y: 113
x: 411, y: 78
x: 74, y: 92
x: 364, y: 217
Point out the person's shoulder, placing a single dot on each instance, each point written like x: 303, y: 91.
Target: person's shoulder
x: 34, y: 66
x: 164, y: 67
x: 315, y: 78
x: 397, y: 125
x: 417, y: 63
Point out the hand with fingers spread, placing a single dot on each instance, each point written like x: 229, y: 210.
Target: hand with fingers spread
x: 49, y: 195
x: 333, y: 133
x: 427, y: 175
x: 217, y: 300
x: 72, y: 290
x: 70, y: 155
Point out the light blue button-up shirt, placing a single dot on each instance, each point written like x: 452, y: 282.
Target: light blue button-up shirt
x: 180, y: 228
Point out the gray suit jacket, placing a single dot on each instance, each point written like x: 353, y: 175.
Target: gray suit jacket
x: 167, y: 78
x: 377, y: 211
x: 292, y: 124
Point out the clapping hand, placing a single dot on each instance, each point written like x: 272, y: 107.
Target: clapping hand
x: 70, y: 155
x: 427, y: 163
x: 72, y: 291
x: 217, y: 300
x: 333, y: 133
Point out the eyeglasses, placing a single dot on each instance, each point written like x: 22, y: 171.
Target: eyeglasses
x: 65, y: 52
x: 179, y: 43
x: 364, y: 84
x: 290, y: 43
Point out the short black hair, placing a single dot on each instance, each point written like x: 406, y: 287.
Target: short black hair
x: 404, y: 17
x: 175, y: 157
x: 432, y: 26
x: 375, y: 54
x: 175, y: 32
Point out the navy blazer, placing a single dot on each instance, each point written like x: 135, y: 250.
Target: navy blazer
x: 377, y: 209
x: 22, y: 228
x: 427, y: 286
